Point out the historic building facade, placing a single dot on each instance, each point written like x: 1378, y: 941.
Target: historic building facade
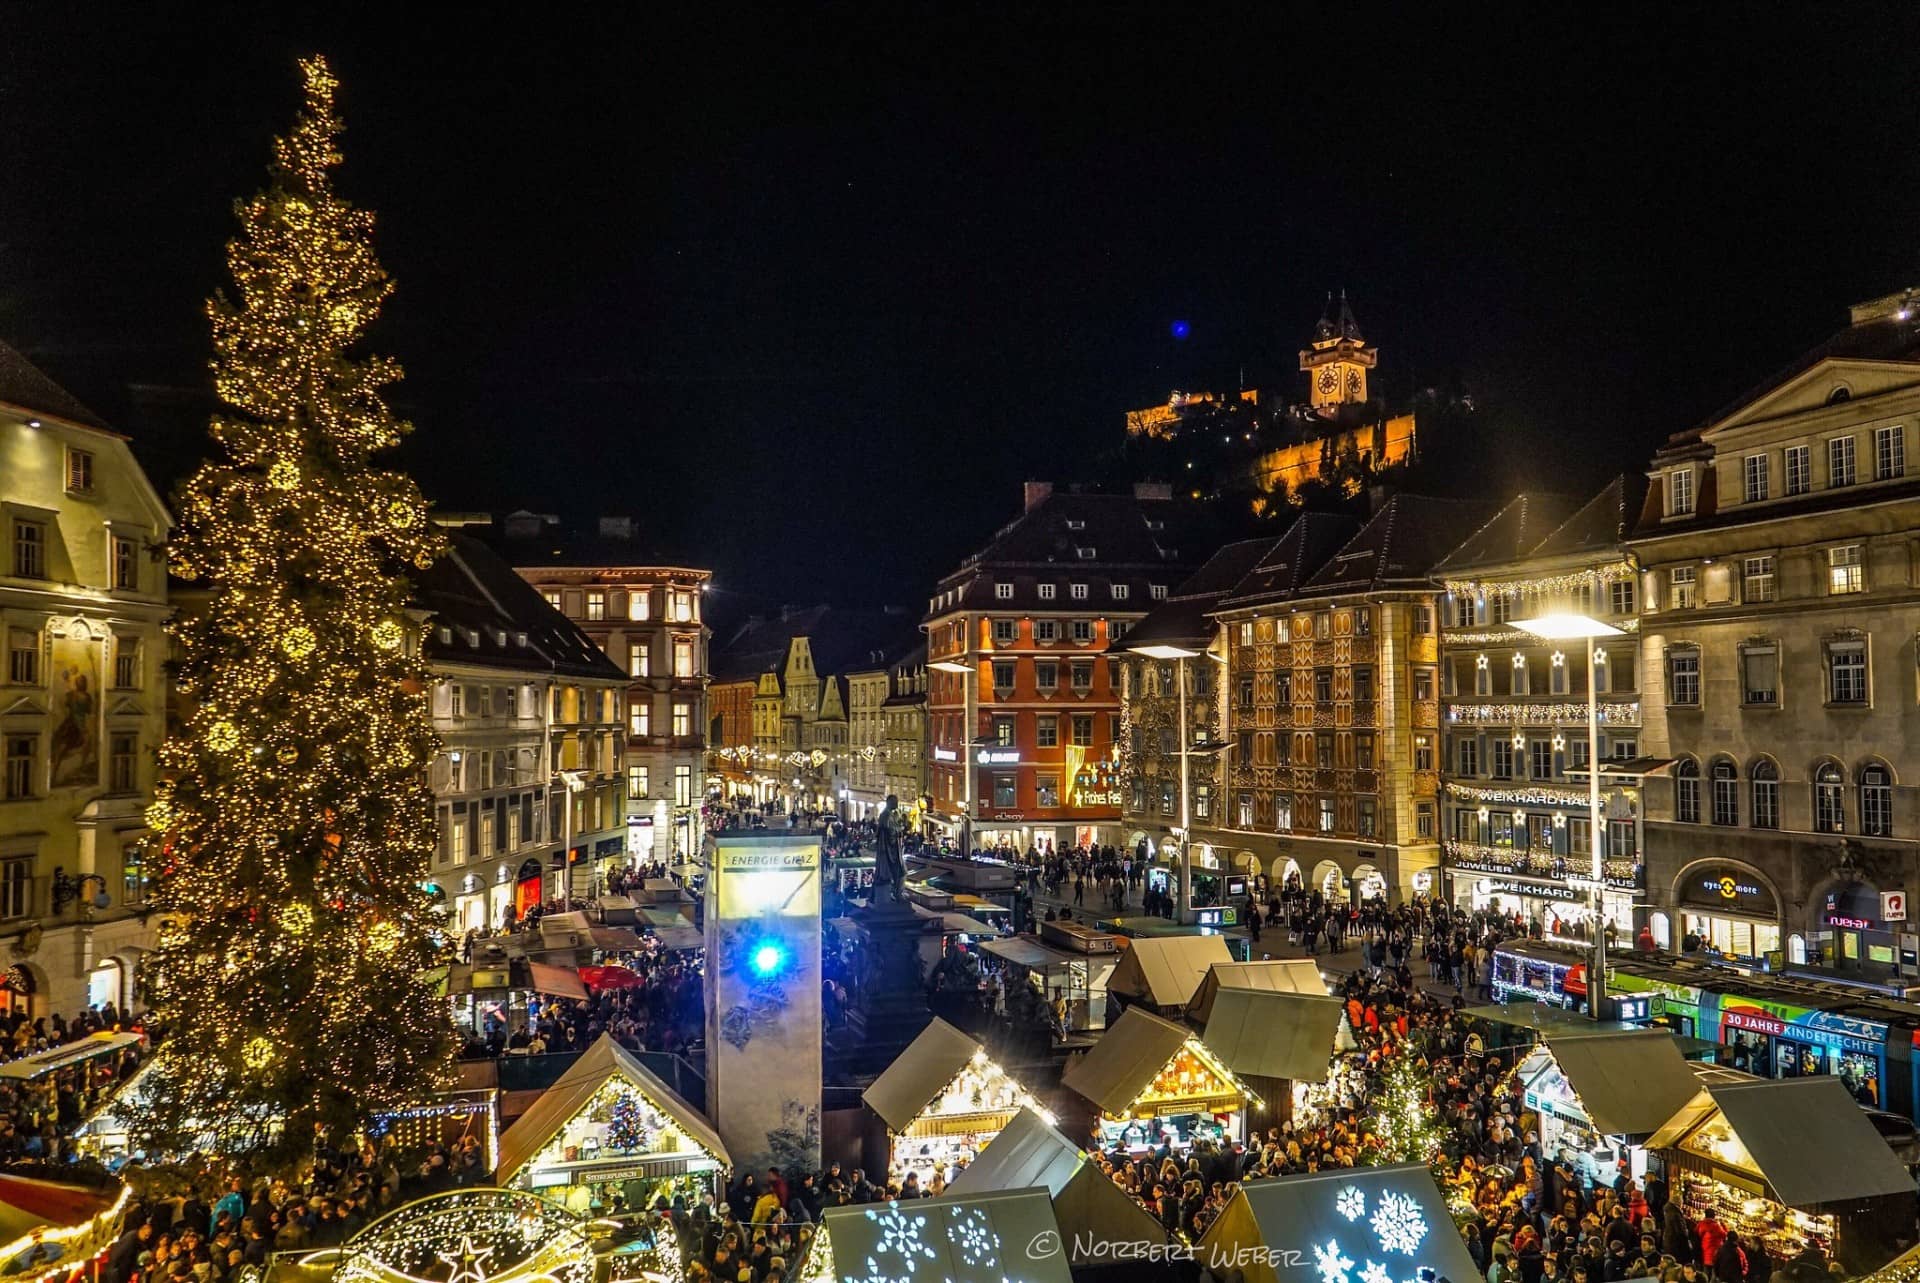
x: 647, y: 618
x: 529, y: 783
x: 1516, y: 813
x: 905, y: 719
x: 1333, y: 706
x: 83, y: 600
x: 1031, y: 618
x: 1779, y: 550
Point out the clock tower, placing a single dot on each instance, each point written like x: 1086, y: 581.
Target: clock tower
x: 1337, y: 361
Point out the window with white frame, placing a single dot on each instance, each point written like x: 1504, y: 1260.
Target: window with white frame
x: 1620, y: 595
x: 552, y: 596
x: 1243, y: 810
x: 29, y: 549
x: 1540, y: 759
x: 596, y: 603
x: 1520, y: 681
x: 1680, y: 585
x: 1482, y: 675
x: 1754, y: 469
x: 1157, y: 591
x: 1082, y: 630
x: 1765, y: 790
x: 1683, y: 676
x: 1889, y: 453
x: 682, y: 718
x: 1829, y: 799
x: 1077, y: 591
x: 16, y: 888
x: 1726, y: 792
x: 1686, y: 791
x: 1876, y: 800
x: 1466, y: 752
x: 1003, y: 591
x: 1847, y: 671
x: 1006, y: 631
x: 1119, y: 591
x: 23, y: 657
x: 1840, y: 461
x: 1799, y: 469
x: 1500, y: 758
x: 640, y: 604
x: 1756, y: 579
x: 1047, y: 591
x: 1680, y: 492
x: 1846, y: 571
x: 640, y: 717
x: 1046, y: 630
x: 638, y: 781
x: 22, y: 751
x: 126, y: 564
x: 683, y: 786
x: 683, y: 657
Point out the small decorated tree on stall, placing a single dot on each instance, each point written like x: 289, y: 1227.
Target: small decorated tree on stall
x: 627, y: 1131
x: 1403, y: 1120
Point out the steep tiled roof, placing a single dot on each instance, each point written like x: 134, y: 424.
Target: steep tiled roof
x: 1399, y: 546
x: 1513, y: 532
x: 841, y: 641
x: 1182, y: 617
x: 1603, y: 522
x: 487, y: 609
x: 1292, y: 559
x: 24, y: 386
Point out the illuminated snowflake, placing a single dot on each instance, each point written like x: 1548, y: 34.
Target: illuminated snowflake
x: 972, y: 1237
x: 900, y: 1235
x: 1399, y: 1224
x: 1352, y: 1203
x: 1333, y: 1267
x: 1374, y: 1272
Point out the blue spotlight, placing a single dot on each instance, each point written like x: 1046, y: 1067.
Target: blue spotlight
x: 768, y: 959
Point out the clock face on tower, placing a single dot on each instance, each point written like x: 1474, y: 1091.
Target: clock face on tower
x: 1328, y: 380
x: 1353, y: 383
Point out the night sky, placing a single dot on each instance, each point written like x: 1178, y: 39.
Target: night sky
x: 810, y: 292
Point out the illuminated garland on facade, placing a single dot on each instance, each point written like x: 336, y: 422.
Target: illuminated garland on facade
x: 1622, y: 713
x: 1518, y: 797
x: 1544, y: 585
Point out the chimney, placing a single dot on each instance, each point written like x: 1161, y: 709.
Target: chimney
x: 616, y: 527
x: 1153, y: 490
x: 524, y: 524
x: 1037, y: 493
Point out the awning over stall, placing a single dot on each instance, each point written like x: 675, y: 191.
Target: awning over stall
x: 1090, y: 1208
x: 1806, y: 1138
x: 679, y: 939
x: 1027, y: 952
x: 604, y: 1062
x: 1166, y: 971
x: 1120, y: 1069
x: 556, y: 982
x: 1626, y: 1084
x: 1271, y: 1034
x: 918, y: 1074
x: 614, y: 939
x: 1275, y: 975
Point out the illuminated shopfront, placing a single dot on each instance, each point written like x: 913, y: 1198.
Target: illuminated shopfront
x: 1155, y: 1083
x: 1726, y: 910
x: 1597, y: 1094
x: 943, y: 1100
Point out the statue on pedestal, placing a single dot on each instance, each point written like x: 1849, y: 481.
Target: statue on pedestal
x: 888, y: 870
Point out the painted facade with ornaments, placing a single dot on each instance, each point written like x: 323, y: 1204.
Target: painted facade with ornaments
x: 1777, y: 549
x: 83, y: 601
x: 1333, y: 708
x: 1514, y: 751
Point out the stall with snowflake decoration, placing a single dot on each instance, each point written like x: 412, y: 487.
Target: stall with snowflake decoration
x: 1153, y: 1081
x: 1004, y: 1237
x: 1354, y: 1225
x: 608, y: 1126
x: 942, y: 1100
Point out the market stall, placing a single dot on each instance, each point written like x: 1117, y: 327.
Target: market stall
x: 1091, y: 1210
x: 1361, y: 1222
x: 1598, y: 1094
x: 609, y: 1125
x: 51, y: 1229
x: 1152, y: 1080
x: 1786, y: 1163
x: 1008, y: 1236
x: 1076, y: 981
x: 1162, y: 974
x: 1273, y: 1040
x: 943, y: 1100
x: 1275, y: 975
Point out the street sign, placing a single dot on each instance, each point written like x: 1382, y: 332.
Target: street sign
x: 1893, y: 906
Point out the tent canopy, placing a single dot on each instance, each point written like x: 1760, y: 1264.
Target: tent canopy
x: 965, y: 1240
x: 1628, y: 1083
x: 1166, y: 971
x: 1090, y: 1208
x: 1026, y: 952
x: 1275, y: 975
x: 918, y: 1074
x: 558, y: 1104
x: 1392, y: 1217
x: 558, y: 982
x: 1273, y: 1034
x: 679, y: 939
x: 1134, y: 1049
x: 1806, y: 1136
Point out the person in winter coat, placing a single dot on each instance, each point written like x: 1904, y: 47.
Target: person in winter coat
x: 1730, y: 1261
x: 1676, y: 1236
x: 1712, y: 1234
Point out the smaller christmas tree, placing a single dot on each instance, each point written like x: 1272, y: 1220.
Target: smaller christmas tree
x: 627, y: 1130
x: 1402, y: 1119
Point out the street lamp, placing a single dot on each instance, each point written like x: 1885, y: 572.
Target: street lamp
x: 1576, y: 627
x: 967, y: 676
x: 576, y: 782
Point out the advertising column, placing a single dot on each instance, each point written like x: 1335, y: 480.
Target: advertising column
x: 763, y: 999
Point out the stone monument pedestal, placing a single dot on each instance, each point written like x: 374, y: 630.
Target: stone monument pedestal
x: 892, y: 1007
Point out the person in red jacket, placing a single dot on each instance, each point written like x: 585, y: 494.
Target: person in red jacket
x: 1712, y: 1235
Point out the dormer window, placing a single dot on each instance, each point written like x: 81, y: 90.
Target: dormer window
x: 1680, y: 492
x: 1085, y: 554
x: 1074, y: 523
x: 446, y: 636
x: 1839, y: 394
x: 1003, y: 592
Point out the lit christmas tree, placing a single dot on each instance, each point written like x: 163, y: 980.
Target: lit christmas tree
x: 627, y: 1128
x: 1403, y: 1121
x: 296, y: 820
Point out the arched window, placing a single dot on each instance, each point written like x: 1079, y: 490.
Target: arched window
x: 1829, y: 809
x: 1726, y: 791
x: 1876, y: 800
x: 1766, y: 794
x: 1686, y: 791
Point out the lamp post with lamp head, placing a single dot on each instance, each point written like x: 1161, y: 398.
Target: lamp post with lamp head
x: 1183, y: 909
x: 1577, y: 627
x: 967, y: 676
